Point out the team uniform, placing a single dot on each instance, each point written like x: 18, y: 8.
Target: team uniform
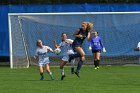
x: 79, y: 41
x: 96, y: 44
x: 66, y: 49
x: 42, y: 54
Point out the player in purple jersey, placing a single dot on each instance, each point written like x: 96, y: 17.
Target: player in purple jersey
x: 96, y: 46
x: 80, y: 36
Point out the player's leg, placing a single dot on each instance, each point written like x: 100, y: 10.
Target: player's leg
x: 82, y: 59
x: 95, y: 59
x: 98, y: 59
x: 49, y: 71
x: 62, y: 63
x: 41, y: 72
x: 75, y: 55
x: 72, y: 56
x: 72, y: 66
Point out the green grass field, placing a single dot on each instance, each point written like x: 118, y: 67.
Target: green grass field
x: 108, y: 79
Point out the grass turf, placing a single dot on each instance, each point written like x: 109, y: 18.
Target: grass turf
x: 108, y: 79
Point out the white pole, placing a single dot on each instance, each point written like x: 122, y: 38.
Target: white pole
x: 10, y: 42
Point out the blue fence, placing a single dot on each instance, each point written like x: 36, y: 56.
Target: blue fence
x: 5, y: 9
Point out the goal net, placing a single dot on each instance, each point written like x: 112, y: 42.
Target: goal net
x: 120, y: 33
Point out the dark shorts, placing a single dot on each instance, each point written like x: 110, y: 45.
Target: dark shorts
x: 74, y: 47
x: 95, y: 51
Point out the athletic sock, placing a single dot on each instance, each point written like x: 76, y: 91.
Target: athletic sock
x: 80, y: 63
x: 95, y: 63
x: 72, y: 70
x: 41, y: 74
x: 62, y: 71
x: 98, y: 63
x: 51, y: 75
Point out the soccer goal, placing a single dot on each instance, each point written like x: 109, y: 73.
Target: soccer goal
x: 120, y: 33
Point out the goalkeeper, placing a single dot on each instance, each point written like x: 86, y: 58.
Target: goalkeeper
x: 96, y: 46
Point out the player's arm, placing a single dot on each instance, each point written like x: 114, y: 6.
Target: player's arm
x: 104, y: 50
x: 55, y: 44
x: 69, y: 41
x: 36, y: 55
x: 49, y: 49
x: 89, y: 36
x: 77, y: 34
x: 90, y: 45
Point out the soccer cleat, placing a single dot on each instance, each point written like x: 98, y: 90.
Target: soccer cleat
x: 42, y: 78
x: 72, y: 70
x: 97, y: 67
x: 62, y: 77
x: 77, y: 74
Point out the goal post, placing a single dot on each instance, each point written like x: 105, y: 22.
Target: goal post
x: 119, y: 31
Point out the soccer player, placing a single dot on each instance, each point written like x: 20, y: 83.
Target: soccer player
x: 66, y: 49
x: 96, y: 46
x: 80, y: 36
x: 138, y: 47
x: 43, y: 59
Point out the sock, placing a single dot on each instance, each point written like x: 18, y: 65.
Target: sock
x: 62, y: 71
x: 95, y: 63
x: 80, y: 63
x: 41, y: 74
x: 50, y: 73
x: 98, y: 62
x: 72, y: 70
x: 72, y: 63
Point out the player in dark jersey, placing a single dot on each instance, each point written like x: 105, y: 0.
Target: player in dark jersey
x: 96, y: 46
x: 80, y: 36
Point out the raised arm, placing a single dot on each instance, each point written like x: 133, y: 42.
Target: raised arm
x: 89, y: 36
x: 77, y: 33
x: 55, y: 44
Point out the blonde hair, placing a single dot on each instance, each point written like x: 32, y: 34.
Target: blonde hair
x: 89, y: 25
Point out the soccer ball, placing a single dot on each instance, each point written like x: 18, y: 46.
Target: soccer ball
x: 57, y: 51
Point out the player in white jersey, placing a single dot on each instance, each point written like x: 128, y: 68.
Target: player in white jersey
x: 43, y: 59
x: 66, y: 49
x: 138, y: 47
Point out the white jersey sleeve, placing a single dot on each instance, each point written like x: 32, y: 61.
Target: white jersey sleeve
x: 69, y: 40
x: 48, y: 48
x: 138, y: 45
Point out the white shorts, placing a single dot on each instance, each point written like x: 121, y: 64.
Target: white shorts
x: 66, y: 55
x: 65, y: 58
x: 43, y: 62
